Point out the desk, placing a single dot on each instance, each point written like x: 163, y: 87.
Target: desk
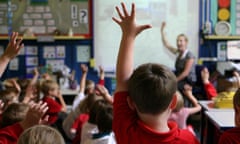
x: 69, y: 92
x: 207, y: 106
x: 68, y: 96
x: 217, y: 122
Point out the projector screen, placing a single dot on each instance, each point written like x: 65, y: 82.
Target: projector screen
x: 181, y: 16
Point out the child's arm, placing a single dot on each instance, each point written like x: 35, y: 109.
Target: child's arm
x: 62, y: 102
x: 102, y: 76
x: 80, y: 96
x: 29, y: 91
x: 165, y: 42
x: 102, y: 91
x: 208, y: 87
x: 196, y: 107
x: 130, y: 30
x: 12, y: 50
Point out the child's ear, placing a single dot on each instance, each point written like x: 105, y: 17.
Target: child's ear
x: 130, y: 103
x: 173, y: 102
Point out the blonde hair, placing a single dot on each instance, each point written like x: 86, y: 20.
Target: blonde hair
x: 180, y: 102
x: 89, y: 85
x: 48, y: 85
x: 183, y: 35
x: 41, y: 134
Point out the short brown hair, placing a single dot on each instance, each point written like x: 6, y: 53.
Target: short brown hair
x: 15, y: 112
x: 151, y: 88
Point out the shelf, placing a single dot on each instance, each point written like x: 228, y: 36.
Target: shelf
x: 49, y: 36
x: 216, y: 37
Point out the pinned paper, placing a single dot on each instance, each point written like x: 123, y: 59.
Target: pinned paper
x: 92, y: 62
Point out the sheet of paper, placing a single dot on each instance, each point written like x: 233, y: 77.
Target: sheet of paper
x: 14, y: 64
x: 31, y: 61
x: 60, y: 51
x: 49, y: 52
x: 31, y: 50
x: 83, y: 53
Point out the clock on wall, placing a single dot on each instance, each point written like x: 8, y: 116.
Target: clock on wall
x: 222, y: 28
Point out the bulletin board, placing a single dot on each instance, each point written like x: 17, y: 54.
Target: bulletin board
x: 45, y: 16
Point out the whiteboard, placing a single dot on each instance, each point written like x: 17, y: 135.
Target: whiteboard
x: 181, y: 16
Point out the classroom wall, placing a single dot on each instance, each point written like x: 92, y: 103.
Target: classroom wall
x: 207, y: 48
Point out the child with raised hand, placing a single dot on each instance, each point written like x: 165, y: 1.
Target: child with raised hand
x: 34, y: 116
x: 12, y: 50
x: 180, y: 113
x: 208, y: 86
x: 83, y: 100
x: 68, y: 122
x: 231, y: 136
x: 104, y: 117
x: 144, y: 99
x: 51, y: 96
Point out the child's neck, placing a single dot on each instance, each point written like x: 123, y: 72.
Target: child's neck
x: 158, y: 122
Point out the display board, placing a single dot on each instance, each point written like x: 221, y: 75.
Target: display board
x: 180, y: 16
x: 45, y: 16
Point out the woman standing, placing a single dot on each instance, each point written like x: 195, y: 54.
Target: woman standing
x: 184, y: 64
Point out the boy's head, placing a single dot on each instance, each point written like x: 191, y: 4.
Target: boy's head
x: 99, y: 104
x: 180, y: 102
x: 50, y: 87
x: 41, y: 134
x: 15, y: 112
x: 151, y: 88
x: 236, y: 105
x: 104, y: 118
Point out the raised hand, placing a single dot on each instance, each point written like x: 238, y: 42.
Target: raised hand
x: 14, y: 46
x: 163, y: 26
x: 84, y: 68
x: 35, y: 114
x: 127, y: 21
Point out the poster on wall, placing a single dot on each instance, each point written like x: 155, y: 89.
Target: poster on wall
x: 60, y: 51
x: 31, y: 50
x: 49, y: 52
x: 14, y: 64
x: 83, y: 53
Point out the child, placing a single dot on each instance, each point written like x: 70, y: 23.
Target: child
x: 15, y: 112
x: 208, y: 86
x: 36, y: 111
x: 231, y: 136
x: 82, y: 101
x: 12, y: 50
x: 144, y: 99
x: 180, y: 114
x: 90, y: 127
x: 52, y: 94
x: 104, y: 124
x: 41, y: 134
